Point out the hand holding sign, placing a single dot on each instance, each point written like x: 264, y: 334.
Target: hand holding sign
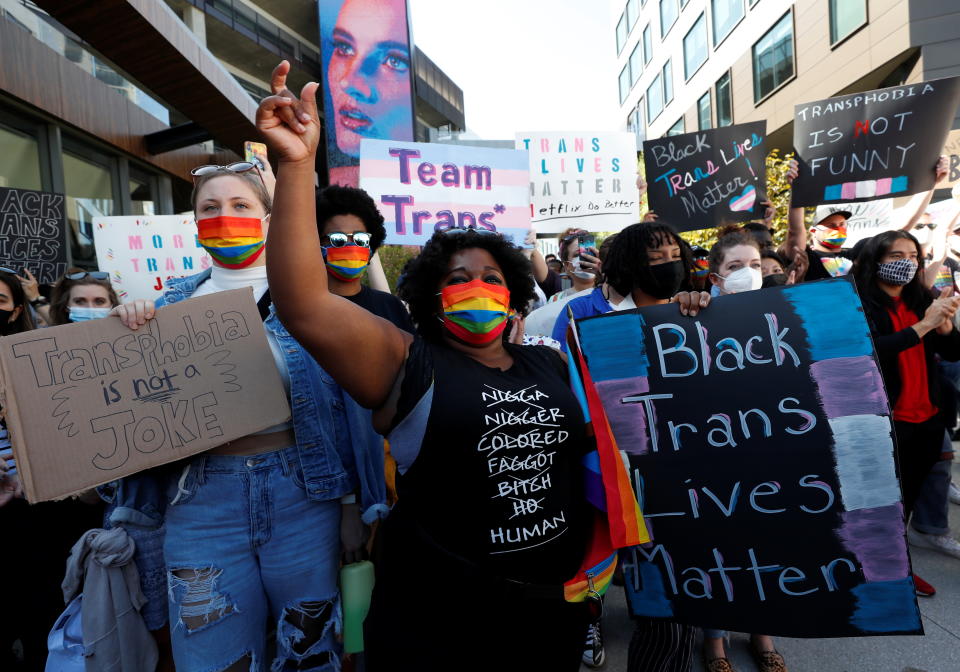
x: 290, y: 125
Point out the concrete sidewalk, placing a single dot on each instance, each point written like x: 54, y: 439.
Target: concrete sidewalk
x: 937, y: 651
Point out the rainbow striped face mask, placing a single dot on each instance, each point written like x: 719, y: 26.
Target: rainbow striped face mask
x: 832, y: 239
x: 346, y: 263
x: 233, y: 242
x: 476, y: 311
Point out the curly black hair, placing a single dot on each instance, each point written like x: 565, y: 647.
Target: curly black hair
x: 627, y: 266
x: 339, y: 200
x: 422, y: 280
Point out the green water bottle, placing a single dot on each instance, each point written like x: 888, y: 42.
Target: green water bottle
x: 356, y: 586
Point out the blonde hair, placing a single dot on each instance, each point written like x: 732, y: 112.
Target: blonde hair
x: 250, y: 177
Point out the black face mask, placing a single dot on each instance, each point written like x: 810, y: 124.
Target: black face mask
x: 666, y: 279
x: 5, y: 324
x: 774, y: 280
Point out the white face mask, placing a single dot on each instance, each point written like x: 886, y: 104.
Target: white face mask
x: 742, y: 280
x: 578, y: 270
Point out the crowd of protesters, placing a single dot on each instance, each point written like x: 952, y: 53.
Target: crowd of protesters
x: 235, y: 553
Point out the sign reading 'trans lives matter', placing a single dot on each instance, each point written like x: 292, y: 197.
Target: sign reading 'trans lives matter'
x: 761, y: 445
x: 875, y: 144
x: 703, y: 179
x: 93, y: 402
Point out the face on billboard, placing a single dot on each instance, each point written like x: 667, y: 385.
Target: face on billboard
x: 368, y: 74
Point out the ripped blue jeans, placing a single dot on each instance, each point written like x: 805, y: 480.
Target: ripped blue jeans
x: 244, y: 545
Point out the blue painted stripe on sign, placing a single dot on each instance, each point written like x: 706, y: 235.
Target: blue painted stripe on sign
x: 613, y: 346
x: 651, y: 600
x: 886, y: 606
x: 832, y: 317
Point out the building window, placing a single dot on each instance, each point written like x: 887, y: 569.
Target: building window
x: 635, y: 124
x: 773, y: 58
x: 683, y: 3
x: 621, y: 33
x: 667, y: 82
x: 89, y: 189
x: 724, y: 101
x: 677, y: 128
x: 726, y: 14
x: 143, y: 192
x: 633, y: 13
x: 624, y: 83
x: 695, y: 47
x: 19, y: 160
x: 845, y: 17
x: 647, y: 45
x: 668, y: 16
x: 654, y: 98
x: 636, y: 63
x: 703, y: 112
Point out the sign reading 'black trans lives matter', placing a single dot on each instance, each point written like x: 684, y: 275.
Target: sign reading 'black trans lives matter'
x: 761, y: 445
x: 871, y: 145
x: 33, y: 233
x: 703, y: 179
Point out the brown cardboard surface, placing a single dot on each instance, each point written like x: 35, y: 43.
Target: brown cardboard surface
x: 91, y: 402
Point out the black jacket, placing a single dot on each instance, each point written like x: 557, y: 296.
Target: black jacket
x: 890, y: 344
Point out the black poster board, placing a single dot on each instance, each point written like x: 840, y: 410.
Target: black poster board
x: 877, y: 144
x: 33, y: 233
x: 704, y: 179
x: 761, y: 448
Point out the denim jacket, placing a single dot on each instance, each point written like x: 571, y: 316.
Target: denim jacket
x: 339, y: 450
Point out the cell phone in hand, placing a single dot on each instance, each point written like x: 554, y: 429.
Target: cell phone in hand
x: 255, y: 152
x: 586, y: 242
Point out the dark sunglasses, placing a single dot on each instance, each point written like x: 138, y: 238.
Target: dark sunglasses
x: 80, y: 275
x: 9, y: 270
x: 458, y: 230
x: 338, y: 239
x: 238, y: 167
x: 931, y: 225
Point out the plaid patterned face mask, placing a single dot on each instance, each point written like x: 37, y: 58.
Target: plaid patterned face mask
x: 898, y: 272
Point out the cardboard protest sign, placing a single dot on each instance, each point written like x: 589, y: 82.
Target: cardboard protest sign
x: 874, y: 144
x: 761, y: 447
x: 92, y: 402
x: 141, y: 253
x: 423, y: 188
x: 33, y: 233
x: 704, y: 179
x: 868, y: 218
x: 588, y: 180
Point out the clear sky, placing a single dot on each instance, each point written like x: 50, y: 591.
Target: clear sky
x: 525, y: 65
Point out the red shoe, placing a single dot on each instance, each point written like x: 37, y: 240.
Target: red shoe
x: 923, y: 588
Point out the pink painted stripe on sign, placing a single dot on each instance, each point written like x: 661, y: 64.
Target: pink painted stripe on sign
x: 516, y: 217
x: 849, y: 191
x: 500, y: 177
x: 883, y: 186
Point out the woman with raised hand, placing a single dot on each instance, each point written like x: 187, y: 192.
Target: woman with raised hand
x: 491, y: 518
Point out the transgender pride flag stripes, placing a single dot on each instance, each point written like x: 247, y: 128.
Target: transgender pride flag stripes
x: 760, y: 439
x: 852, y: 395
x: 421, y: 188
